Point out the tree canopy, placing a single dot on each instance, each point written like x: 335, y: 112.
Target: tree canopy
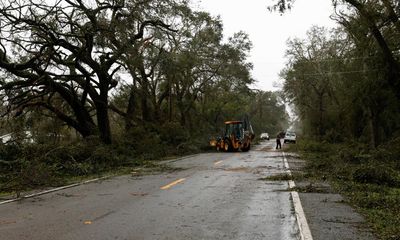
x: 345, y: 82
x: 103, y: 67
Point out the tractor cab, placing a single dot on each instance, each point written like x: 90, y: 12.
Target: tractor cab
x: 234, y: 128
x: 237, y: 136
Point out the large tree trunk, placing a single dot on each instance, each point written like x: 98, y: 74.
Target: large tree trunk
x: 182, y: 113
x: 103, y: 121
x: 183, y: 119
x: 371, y: 127
x: 144, y: 96
x: 85, y: 126
x: 83, y: 122
x: 101, y: 103
x: 321, y: 129
x: 131, y: 110
x: 144, y: 104
x: 393, y: 65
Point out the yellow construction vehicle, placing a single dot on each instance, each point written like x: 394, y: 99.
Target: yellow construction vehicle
x: 237, y: 135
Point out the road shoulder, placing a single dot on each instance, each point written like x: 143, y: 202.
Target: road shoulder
x: 328, y: 214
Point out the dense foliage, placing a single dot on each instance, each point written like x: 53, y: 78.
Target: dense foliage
x: 370, y: 179
x: 107, y: 67
x: 345, y: 87
x: 86, y: 86
x: 344, y: 83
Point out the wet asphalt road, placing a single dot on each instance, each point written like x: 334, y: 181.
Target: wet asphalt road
x: 216, y: 196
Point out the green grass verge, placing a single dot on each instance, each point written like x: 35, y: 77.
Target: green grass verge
x: 278, y: 177
x: 146, y: 168
x: 43, y: 166
x: 368, y: 178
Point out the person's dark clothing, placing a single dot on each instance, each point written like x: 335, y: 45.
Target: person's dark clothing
x: 278, y: 142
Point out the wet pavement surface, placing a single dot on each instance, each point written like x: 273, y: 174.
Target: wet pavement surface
x: 216, y: 196
x: 213, y: 196
x: 328, y: 214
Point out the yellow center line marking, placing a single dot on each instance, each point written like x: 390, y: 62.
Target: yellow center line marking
x: 172, y: 184
x: 217, y: 163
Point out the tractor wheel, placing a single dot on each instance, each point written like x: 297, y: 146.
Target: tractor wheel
x: 227, y: 146
x: 246, y: 149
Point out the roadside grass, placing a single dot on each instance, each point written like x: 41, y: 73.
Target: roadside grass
x: 285, y: 177
x: 309, y: 188
x: 278, y: 177
x: 369, y: 179
x: 148, y: 168
x: 24, y: 168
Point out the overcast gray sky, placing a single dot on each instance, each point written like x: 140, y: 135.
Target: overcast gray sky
x: 269, y: 31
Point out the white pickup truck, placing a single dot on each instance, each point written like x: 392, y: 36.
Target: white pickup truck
x: 290, y: 137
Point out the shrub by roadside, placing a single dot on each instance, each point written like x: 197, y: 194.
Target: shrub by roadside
x: 369, y: 178
x: 29, y: 166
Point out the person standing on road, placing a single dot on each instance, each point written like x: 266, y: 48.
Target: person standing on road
x: 278, y: 141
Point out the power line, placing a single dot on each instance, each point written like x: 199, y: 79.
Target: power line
x: 343, y: 72
x: 337, y: 60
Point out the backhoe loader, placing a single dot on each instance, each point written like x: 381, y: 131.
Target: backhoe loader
x: 237, y: 135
